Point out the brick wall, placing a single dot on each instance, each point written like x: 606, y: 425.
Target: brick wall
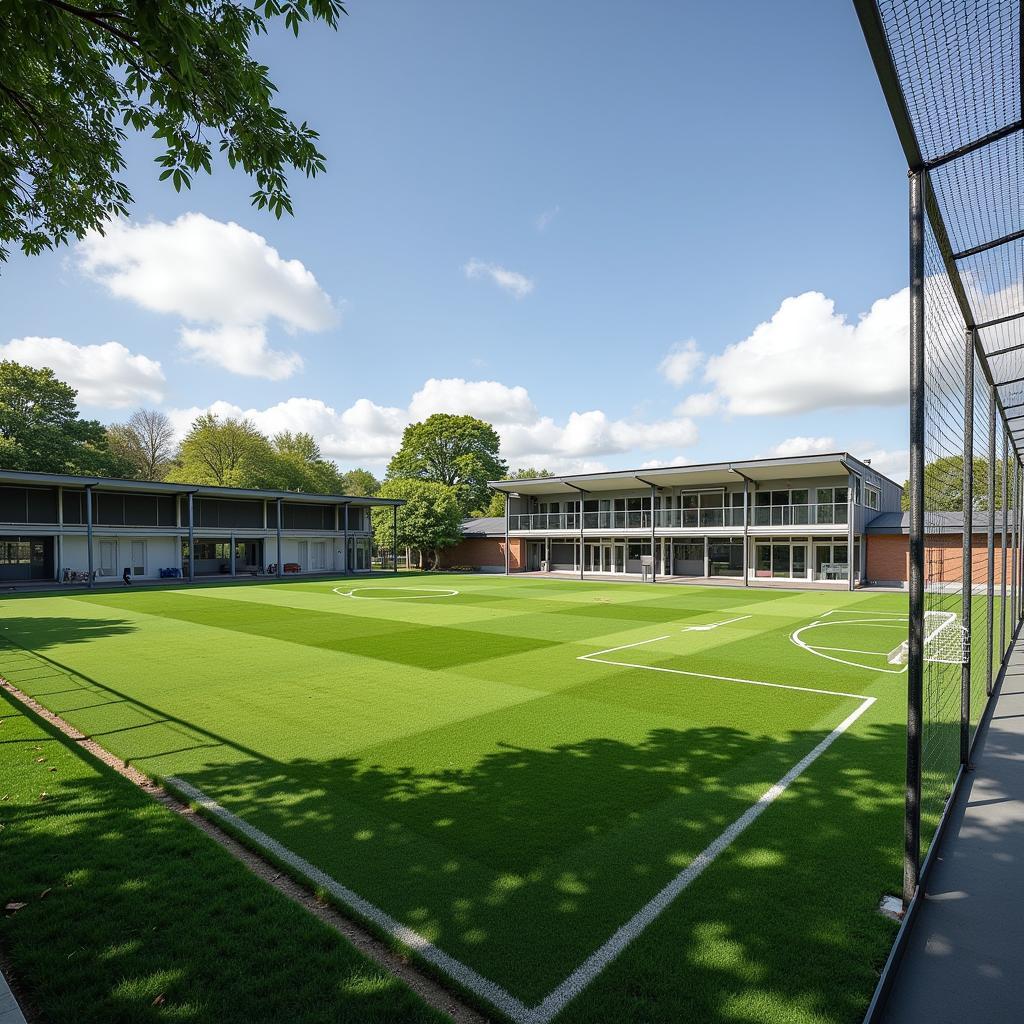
x: 889, y: 558
x: 484, y: 553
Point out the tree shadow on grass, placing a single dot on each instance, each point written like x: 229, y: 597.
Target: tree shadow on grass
x: 133, y: 916
x: 39, y: 633
x: 526, y: 862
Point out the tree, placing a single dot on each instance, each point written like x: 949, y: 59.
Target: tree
x: 146, y: 442
x: 429, y: 521
x: 944, y: 484
x: 229, y: 453
x: 41, y: 430
x: 496, y: 506
x: 76, y: 75
x: 301, y: 467
x: 360, y: 483
x: 457, y: 451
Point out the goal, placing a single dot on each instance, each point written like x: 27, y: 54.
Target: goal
x: 946, y: 641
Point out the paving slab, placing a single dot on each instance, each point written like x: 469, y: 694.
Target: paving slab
x: 963, y: 958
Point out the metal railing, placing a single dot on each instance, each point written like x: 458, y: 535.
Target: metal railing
x: 684, y: 518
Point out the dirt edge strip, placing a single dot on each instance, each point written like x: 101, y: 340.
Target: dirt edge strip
x: 430, y: 991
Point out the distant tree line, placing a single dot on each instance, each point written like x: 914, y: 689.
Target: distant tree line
x: 441, y: 469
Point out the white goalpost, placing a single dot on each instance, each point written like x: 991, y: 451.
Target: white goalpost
x: 946, y: 641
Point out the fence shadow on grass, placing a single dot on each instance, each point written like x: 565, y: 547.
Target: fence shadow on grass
x: 40, y: 633
x: 524, y: 863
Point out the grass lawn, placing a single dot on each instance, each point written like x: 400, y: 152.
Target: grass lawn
x: 131, y: 915
x: 477, y: 768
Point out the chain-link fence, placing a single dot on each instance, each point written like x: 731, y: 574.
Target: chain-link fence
x: 951, y: 75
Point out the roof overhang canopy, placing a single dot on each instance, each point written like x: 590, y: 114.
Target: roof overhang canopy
x: 712, y: 475
x: 13, y: 478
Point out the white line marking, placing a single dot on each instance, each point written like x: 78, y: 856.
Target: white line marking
x: 582, y: 976
x: 600, y: 958
x: 812, y: 649
x: 853, y: 611
x: 850, y: 650
x: 494, y: 993
x: 437, y: 592
x: 713, y: 625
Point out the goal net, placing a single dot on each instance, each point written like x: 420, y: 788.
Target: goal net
x: 946, y: 641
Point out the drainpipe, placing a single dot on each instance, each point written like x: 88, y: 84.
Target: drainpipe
x: 746, y: 524
x: 344, y: 535
x: 508, y: 501
x: 850, y: 512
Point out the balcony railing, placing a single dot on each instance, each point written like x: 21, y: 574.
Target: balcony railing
x: 799, y: 515
x: 684, y: 518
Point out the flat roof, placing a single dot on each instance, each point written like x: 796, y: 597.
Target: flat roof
x: 28, y: 478
x: 711, y: 474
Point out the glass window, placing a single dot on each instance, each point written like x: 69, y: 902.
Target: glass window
x: 824, y: 495
x: 799, y: 497
x: 841, y: 495
x: 780, y: 497
x: 780, y: 560
x: 632, y: 504
x: 689, y: 500
x: 762, y: 498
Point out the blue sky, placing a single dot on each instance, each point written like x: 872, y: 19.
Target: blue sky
x: 570, y: 218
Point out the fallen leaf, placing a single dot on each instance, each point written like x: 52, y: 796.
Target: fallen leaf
x: 53, y: 769
x: 44, y: 795
x: 14, y: 907
x: 40, y: 760
x: 160, y: 1000
x: 42, y: 895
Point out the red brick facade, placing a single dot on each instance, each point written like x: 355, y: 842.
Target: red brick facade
x: 889, y: 558
x: 484, y: 553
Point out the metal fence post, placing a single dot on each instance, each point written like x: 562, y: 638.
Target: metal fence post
x: 915, y: 666
x: 88, y: 533
x: 967, y: 558
x: 394, y: 538
x: 1002, y: 546
x: 990, y: 583
x: 191, y: 537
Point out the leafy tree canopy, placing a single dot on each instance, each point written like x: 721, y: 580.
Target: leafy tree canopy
x: 360, y: 483
x: 944, y: 484
x: 41, y: 431
x: 76, y: 75
x: 145, y: 442
x: 496, y: 506
x: 228, y: 453
x: 301, y: 467
x: 457, y: 451
x: 430, y: 521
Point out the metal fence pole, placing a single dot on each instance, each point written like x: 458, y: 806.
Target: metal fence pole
x: 915, y: 666
x: 88, y: 533
x: 1014, y: 577
x: 654, y: 558
x: 990, y: 583
x: 1002, y: 546
x: 191, y: 538
x: 967, y: 554
x: 394, y: 538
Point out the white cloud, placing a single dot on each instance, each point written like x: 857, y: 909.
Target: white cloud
x: 678, y: 460
x: 542, y: 220
x: 225, y: 282
x: 106, y: 375
x: 488, y: 399
x: 804, y: 446
x: 893, y: 464
x: 807, y: 356
x: 516, y: 284
x: 368, y: 432
x: 704, y: 404
x: 681, y: 362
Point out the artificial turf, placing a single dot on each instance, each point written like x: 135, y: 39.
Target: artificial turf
x: 452, y: 760
x: 131, y: 915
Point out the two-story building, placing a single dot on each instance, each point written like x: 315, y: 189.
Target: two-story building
x: 784, y: 519
x: 54, y: 527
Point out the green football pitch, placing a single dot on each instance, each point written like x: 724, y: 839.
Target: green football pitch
x: 575, y: 801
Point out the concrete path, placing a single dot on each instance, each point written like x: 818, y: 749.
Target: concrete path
x: 10, y: 1012
x: 964, y: 960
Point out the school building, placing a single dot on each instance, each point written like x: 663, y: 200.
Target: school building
x: 55, y: 527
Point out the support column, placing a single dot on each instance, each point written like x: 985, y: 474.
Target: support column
x: 746, y: 532
x: 344, y: 539
x: 394, y: 538
x: 654, y: 557
x: 231, y: 541
x: 1002, y: 545
x: 191, y: 538
x: 508, y: 500
x: 990, y: 582
x: 582, y: 550
x: 851, y: 510
x: 88, y: 533
x: 915, y: 664
x: 280, y: 517
x: 1014, y: 579
x: 967, y: 559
